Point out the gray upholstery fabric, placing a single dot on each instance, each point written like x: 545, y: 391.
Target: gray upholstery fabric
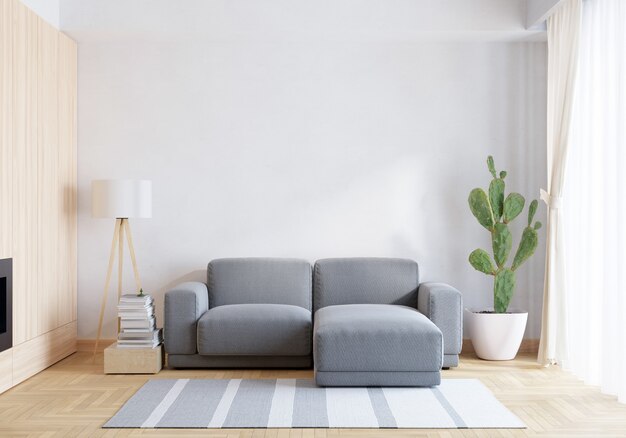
x: 365, y: 281
x: 450, y: 360
x: 199, y: 361
x: 375, y: 337
x: 183, y: 307
x: 259, y: 280
x: 256, y: 313
x: 255, y: 329
x: 407, y: 378
x: 443, y: 305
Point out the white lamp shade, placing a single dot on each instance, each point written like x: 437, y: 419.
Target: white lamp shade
x: 121, y: 198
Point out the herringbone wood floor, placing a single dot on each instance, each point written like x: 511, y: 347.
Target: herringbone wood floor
x: 74, y: 398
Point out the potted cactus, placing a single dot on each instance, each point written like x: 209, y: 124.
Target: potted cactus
x: 497, y: 334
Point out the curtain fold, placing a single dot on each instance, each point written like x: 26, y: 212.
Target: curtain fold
x: 595, y: 204
x: 563, y: 36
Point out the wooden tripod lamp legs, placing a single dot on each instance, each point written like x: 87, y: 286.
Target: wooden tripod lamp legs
x: 129, y: 238
x: 121, y: 225
x: 116, y: 233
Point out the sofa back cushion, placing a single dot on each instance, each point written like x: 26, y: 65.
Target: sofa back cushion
x: 365, y: 281
x: 259, y: 281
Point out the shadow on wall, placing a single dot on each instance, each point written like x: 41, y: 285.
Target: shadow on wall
x: 159, y: 293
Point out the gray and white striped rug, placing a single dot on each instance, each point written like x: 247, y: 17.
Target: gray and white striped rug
x: 298, y: 403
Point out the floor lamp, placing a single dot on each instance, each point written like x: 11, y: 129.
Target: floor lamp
x: 120, y: 199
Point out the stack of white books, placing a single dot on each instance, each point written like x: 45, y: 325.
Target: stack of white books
x: 137, y: 322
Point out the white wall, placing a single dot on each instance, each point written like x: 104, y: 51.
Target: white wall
x: 303, y: 149
x: 49, y: 10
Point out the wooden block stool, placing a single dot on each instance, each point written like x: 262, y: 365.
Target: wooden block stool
x: 119, y: 360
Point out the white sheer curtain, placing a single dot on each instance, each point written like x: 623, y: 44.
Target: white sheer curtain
x: 594, y: 203
x: 563, y: 36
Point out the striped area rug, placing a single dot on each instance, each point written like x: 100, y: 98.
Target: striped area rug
x: 298, y: 403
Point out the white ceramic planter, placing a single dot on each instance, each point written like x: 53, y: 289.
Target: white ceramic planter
x: 496, y: 336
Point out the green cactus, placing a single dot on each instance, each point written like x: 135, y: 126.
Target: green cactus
x: 479, y: 204
x: 501, y: 243
x: 491, y: 166
x: 503, y: 287
x: 494, y: 212
x: 481, y: 261
x: 496, y: 197
x: 513, y: 206
x: 526, y: 248
x: 532, y: 209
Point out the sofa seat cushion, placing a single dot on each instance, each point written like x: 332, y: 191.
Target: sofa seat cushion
x: 375, y: 338
x: 255, y: 329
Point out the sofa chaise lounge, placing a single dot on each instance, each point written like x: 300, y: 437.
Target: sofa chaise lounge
x: 374, y: 323
x: 369, y: 331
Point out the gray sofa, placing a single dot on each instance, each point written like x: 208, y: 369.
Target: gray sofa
x: 252, y: 313
x: 375, y: 324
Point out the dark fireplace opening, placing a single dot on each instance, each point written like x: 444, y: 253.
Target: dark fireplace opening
x: 6, y: 304
x: 3, y: 305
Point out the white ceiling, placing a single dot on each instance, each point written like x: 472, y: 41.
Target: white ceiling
x: 537, y: 11
x: 301, y: 20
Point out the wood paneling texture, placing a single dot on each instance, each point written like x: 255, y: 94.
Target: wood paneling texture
x: 6, y: 129
x: 38, y: 184
x: 34, y: 355
x: 6, y: 370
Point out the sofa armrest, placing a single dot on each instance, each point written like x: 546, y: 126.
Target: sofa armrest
x: 443, y: 305
x: 184, y: 305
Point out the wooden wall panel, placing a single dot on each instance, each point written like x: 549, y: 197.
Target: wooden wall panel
x: 6, y: 370
x: 34, y: 355
x: 67, y: 179
x: 33, y: 116
x: 22, y: 287
x: 38, y: 185
x: 48, y: 185
x: 6, y: 128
